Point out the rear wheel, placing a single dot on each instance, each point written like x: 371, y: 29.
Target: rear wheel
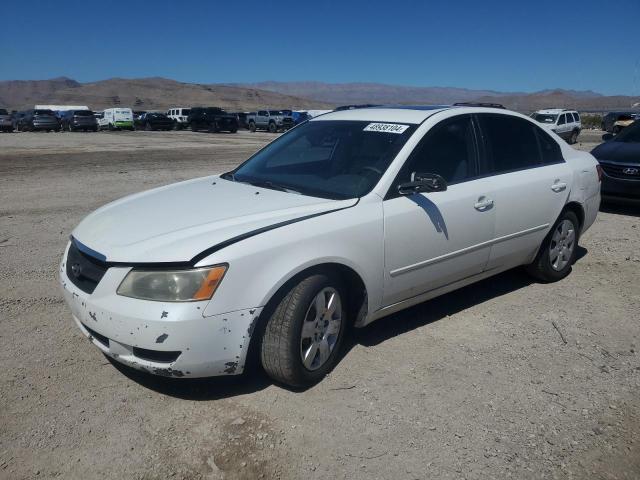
x: 558, y: 250
x: 302, y: 338
x: 574, y: 137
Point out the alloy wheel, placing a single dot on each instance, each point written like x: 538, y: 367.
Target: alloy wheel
x: 563, y: 242
x: 320, y: 328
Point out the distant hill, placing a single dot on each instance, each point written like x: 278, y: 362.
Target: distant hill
x: 161, y: 93
x: 356, y: 93
x: 143, y: 94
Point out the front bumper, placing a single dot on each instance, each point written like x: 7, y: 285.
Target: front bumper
x: 162, y: 338
x: 620, y: 187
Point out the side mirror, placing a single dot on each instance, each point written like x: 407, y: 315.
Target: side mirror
x: 423, y: 182
x: 607, y: 136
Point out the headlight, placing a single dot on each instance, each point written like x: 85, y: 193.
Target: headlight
x: 172, y: 285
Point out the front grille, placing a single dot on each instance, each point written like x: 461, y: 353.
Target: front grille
x: 287, y: 122
x: 101, y: 338
x: 617, y: 171
x: 84, y: 271
x: 156, y: 355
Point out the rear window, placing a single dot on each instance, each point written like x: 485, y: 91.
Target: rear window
x: 83, y: 113
x: 43, y: 112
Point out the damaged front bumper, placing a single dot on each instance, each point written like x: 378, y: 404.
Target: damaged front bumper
x: 162, y: 338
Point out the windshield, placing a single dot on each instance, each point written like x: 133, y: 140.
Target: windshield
x: 545, y: 118
x: 83, y: 113
x: 630, y: 134
x: 275, y: 112
x: 328, y: 159
x: 186, y: 111
x: 3, y: 111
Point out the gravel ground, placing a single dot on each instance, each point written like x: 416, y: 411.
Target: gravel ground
x: 476, y: 384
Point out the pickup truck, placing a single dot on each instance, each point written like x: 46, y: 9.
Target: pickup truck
x: 212, y: 119
x: 271, y: 120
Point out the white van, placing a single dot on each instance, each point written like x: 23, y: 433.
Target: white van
x: 180, y: 116
x: 116, y: 118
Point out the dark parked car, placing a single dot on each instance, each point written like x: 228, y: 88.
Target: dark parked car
x: 39, y: 120
x: 619, y: 159
x: 153, y: 121
x: 299, y: 117
x: 84, y: 120
x: 609, y: 120
x: 212, y: 119
x: 6, y: 125
x: 242, y: 119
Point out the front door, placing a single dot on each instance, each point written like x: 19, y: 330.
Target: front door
x: 437, y: 238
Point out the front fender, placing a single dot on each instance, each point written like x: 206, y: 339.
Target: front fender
x: 259, y: 266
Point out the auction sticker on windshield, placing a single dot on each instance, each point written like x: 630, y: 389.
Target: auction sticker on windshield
x: 385, y: 127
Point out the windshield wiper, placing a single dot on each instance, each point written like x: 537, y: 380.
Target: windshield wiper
x: 272, y: 186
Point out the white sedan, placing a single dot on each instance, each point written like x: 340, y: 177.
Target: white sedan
x: 345, y: 219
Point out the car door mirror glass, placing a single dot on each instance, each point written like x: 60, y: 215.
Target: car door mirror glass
x: 423, y: 182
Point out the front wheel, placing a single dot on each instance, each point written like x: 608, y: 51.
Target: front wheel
x: 558, y: 250
x: 302, y: 338
x: 273, y: 127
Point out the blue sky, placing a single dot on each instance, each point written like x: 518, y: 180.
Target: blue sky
x: 505, y: 45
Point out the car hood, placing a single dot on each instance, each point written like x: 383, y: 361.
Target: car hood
x: 178, y: 222
x: 618, y: 152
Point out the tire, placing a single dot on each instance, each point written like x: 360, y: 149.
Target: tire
x: 574, y: 137
x: 252, y: 126
x: 284, y: 343
x: 273, y: 128
x: 544, y: 267
x: 148, y: 127
x: 234, y: 130
x: 194, y: 127
x: 69, y: 127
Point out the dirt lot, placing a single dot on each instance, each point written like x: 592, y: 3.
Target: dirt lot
x: 476, y: 384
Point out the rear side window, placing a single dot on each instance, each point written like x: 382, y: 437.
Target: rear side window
x: 448, y: 149
x: 511, y: 143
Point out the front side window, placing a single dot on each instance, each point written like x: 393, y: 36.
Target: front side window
x: 262, y: 113
x: 510, y: 143
x: 448, y: 149
x: 562, y: 120
x: 329, y: 159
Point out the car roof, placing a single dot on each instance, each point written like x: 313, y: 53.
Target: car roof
x: 412, y: 114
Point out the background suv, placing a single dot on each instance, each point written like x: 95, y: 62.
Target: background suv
x: 39, y: 120
x: 565, y: 123
x: 73, y: 120
x: 609, y: 120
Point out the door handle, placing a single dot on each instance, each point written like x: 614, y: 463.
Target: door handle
x: 483, y: 204
x: 559, y: 187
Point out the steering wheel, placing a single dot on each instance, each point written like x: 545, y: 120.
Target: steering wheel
x: 375, y: 170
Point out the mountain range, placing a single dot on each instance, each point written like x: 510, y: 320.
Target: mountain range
x: 160, y: 93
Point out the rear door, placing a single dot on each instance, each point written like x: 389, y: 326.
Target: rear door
x: 531, y: 183
x: 436, y: 238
